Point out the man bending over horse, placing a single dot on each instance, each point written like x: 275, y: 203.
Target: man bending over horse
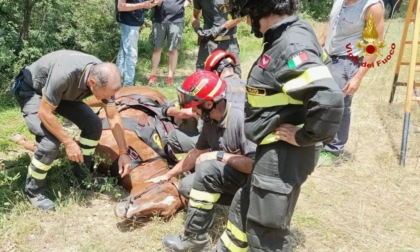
x: 56, y: 84
x: 223, y: 64
x: 222, y: 158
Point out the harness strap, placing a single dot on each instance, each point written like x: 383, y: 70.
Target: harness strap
x: 145, y: 132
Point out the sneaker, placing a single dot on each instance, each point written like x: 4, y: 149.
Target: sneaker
x: 152, y: 79
x: 169, y: 81
x: 329, y: 159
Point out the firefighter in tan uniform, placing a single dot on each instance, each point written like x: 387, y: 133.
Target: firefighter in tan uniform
x: 292, y: 106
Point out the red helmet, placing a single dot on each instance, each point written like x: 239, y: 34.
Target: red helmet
x: 218, y: 60
x: 199, y: 87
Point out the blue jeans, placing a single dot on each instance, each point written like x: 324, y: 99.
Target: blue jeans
x: 343, y: 69
x: 127, y: 55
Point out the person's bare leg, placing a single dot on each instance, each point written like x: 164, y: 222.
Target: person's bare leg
x: 173, y: 60
x: 155, y: 60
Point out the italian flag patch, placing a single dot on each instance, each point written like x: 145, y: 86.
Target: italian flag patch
x: 297, y: 60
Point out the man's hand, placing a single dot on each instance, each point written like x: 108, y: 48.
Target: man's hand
x: 124, y: 165
x: 206, y: 156
x: 352, y: 85
x: 73, y: 151
x: 217, y: 31
x: 164, y: 177
x: 286, y: 132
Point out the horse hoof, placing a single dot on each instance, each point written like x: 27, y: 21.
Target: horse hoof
x: 16, y: 137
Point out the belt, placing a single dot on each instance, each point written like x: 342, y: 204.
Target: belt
x: 339, y: 56
x: 223, y: 38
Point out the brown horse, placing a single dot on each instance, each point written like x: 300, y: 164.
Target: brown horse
x: 146, y: 199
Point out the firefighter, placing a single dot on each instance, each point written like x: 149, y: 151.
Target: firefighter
x: 293, y: 105
x: 57, y: 83
x: 223, y: 64
x: 222, y: 159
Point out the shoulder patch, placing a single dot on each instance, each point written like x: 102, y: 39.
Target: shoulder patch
x: 297, y: 60
x: 265, y: 60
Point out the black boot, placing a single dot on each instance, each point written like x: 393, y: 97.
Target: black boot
x: 187, y: 242
x: 86, y: 179
x: 36, y: 192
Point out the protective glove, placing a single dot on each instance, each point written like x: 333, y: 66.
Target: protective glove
x: 166, y: 105
x: 217, y: 31
x: 213, y: 32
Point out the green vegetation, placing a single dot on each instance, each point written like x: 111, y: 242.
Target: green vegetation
x: 368, y: 204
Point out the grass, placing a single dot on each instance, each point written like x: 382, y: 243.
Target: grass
x: 368, y: 204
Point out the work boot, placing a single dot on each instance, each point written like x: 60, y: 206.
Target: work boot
x: 187, y: 242
x: 85, y: 178
x: 36, y: 192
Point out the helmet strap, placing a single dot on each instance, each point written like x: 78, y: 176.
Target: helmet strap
x: 223, y: 64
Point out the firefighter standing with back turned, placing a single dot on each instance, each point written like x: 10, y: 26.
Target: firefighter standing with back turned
x: 292, y: 106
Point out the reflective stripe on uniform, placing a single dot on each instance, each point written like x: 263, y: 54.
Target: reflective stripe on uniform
x: 236, y: 232
x: 266, y: 101
x: 200, y: 205
x: 324, y: 56
x: 271, y: 138
x: 88, y: 142
x: 88, y: 152
x: 308, y: 76
x: 87, y: 146
x: 180, y: 156
x: 230, y: 245
x: 37, y: 169
x: 204, y: 196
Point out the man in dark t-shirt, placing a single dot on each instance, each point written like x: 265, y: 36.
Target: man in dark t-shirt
x: 56, y: 84
x: 218, y: 31
x: 168, y: 23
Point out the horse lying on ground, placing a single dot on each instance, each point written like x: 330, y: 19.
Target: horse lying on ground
x: 145, y: 132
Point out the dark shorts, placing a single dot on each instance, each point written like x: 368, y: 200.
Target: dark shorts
x: 170, y: 31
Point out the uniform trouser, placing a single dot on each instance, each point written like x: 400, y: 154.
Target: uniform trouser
x: 47, y: 144
x: 206, y: 48
x: 181, y: 140
x: 261, y: 211
x: 212, y: 179
x: 343, y: 69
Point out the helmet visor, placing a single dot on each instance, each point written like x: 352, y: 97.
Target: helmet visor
x: 186, y: 100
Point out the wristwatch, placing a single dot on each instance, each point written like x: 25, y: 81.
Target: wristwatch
x: 220, y: 155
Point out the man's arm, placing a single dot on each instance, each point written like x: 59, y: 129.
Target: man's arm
x: 324, y: 34
x: 229, y: 24
x: 186, y: 164
x: 377, y: 11
x: 195, y: 20
x: 50, y: 121
x: 117, y: 129
x: 94, y: 102
x: 180, y: 113
x: 238, y: 162
x: 123, y: 6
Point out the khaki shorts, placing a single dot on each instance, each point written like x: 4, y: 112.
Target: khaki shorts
x: 170, y: 31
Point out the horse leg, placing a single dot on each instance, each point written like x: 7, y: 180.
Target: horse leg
x: 20, y: 140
